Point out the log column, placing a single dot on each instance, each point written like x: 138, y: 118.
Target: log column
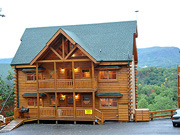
x: 93, y: 93
x: 74, y: 99
x: 37, y: 78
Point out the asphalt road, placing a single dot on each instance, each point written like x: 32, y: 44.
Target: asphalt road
x: 155, y: 127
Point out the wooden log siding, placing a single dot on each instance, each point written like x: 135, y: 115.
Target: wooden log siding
x: 120, y: 113
x: 120, y: 85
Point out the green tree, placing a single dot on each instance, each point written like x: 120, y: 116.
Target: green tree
x: 7, y: 90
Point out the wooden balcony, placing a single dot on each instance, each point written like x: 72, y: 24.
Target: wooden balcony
x: 67, y: 84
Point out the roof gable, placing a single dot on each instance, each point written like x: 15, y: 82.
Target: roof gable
x: 72, y: 38
x: 104, y: 42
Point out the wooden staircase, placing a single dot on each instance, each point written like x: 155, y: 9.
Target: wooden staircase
x: 99, y: 117
x: 12, y: 125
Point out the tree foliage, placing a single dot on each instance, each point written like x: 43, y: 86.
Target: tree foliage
x: 7, y: 88
x: 157, y: 88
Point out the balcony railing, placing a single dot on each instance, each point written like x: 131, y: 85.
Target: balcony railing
x: 64, y: 112
x: 67, y: 84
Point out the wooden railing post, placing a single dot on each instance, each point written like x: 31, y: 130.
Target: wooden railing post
x: 151, y: 116
x: 171, y: 114
x: 102, y: 118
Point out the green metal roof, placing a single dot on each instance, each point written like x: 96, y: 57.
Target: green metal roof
x: 103, y: 41
x: 115, y: 94
x: 33, y: 95
x: 107, y: 66
x: 33, y: 69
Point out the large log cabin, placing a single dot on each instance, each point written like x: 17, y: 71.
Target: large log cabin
x: 78, y: 72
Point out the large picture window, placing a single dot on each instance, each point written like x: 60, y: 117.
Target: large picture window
x: 33, y: 101
x: 111, y: 74
x: 31, y: 76
x: 108, y: 102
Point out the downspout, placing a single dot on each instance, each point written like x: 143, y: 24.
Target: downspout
x: 17, y: 87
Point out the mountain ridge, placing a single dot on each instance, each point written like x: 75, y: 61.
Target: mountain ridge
x: 164, y: 57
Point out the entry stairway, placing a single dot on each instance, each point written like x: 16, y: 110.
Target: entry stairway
x: 14, y: 124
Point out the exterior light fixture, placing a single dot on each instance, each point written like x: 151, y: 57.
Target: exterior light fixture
x: 76, y: 96
x: 75, y: 69
x: 62, y: 69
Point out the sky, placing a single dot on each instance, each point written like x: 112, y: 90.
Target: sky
x: 158, y: 21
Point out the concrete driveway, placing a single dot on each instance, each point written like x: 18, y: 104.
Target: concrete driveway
x: 155, y: 127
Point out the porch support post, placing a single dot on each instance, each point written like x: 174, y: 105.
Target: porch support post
x: 55, y: 78
x: 38, y: 111
x: 73, y: 75
x: 92, y: 66
x: 37, y: 77
x: 93, y: 110
x: 74, y: 103
x: 56, y: 105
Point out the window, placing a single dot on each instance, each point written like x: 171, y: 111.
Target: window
x: 52, y: 100
x: 108, y: 74
x: 31, y: 76
x: 33, y: 101
x: 85, y: 73
x: 70, y: 100
x: 108, y: 102
x: 86, y: 100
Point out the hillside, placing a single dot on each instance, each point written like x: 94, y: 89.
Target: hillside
x: 157, y: 88
x: 5, y: 60
x: 164, y: 57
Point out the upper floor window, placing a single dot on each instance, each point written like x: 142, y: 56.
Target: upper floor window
x: 31, y: 76
x: 85, y: 73
x: 111, y: 74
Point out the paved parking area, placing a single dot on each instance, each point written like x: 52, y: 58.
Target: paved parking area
x: 155, y: 127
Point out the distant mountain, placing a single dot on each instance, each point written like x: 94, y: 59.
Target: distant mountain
x: 165, y: 57
x: 5, y: 60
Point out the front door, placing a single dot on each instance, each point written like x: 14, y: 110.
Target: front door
x: 68, y: 74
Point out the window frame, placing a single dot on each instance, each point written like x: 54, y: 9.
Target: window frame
x: 90, y: 100
x: 107, y: 72
x: 33, y: 75
x: 108, y: 107
x: 82, y: 73
x: 35, y: 101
